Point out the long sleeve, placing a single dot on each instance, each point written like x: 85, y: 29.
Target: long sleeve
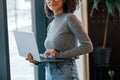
x: 78, y: 32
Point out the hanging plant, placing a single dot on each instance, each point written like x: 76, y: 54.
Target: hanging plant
x: 111, y: 6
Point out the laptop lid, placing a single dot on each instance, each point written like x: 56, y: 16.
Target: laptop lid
x: 26, y: 43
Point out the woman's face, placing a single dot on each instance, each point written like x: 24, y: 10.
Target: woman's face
x: 55, y: 5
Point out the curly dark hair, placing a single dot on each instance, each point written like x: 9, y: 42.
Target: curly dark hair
x: 69, y: 7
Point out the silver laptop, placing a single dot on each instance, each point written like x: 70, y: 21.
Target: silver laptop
x: 26, y: 43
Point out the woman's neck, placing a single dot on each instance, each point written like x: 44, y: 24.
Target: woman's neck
x: 58, y: 12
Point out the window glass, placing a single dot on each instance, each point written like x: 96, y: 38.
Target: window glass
x: 80, y: 61
x: 19, y: 18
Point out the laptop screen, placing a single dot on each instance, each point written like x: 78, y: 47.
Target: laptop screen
x: 26, y: 43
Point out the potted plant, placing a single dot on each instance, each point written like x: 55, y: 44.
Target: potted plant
x: 102, y: 54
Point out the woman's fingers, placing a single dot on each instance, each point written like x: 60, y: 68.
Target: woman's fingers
x: 30, y: 59
x: 51, y: 52
x: 47, y: 54
x: 30, y: 56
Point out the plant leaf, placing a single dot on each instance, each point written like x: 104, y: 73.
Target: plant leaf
x: 94, y: 6
x: 117, y: 5
x: 110, y: 6
x: 111, y: 73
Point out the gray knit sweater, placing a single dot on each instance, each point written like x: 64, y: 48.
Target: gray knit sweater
x: 63, y: 33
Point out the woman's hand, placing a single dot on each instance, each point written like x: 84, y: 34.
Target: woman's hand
x: 30, y: 59
x: 52, y: 52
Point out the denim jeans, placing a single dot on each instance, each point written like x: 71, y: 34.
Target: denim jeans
x: 61, y: 71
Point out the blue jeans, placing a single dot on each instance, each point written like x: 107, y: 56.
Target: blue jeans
x: 61, y: 71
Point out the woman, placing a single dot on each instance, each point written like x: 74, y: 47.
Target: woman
x: 61, y: 41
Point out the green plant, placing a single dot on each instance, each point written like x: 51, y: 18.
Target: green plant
x: 111, y: 74
x: 111, y: 6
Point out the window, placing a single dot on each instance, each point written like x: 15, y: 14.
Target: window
x: 19, y: 18
x: 79, y: 61
x: 27, y: 0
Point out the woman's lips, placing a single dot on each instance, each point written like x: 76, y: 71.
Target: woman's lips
x: 53, y: 5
